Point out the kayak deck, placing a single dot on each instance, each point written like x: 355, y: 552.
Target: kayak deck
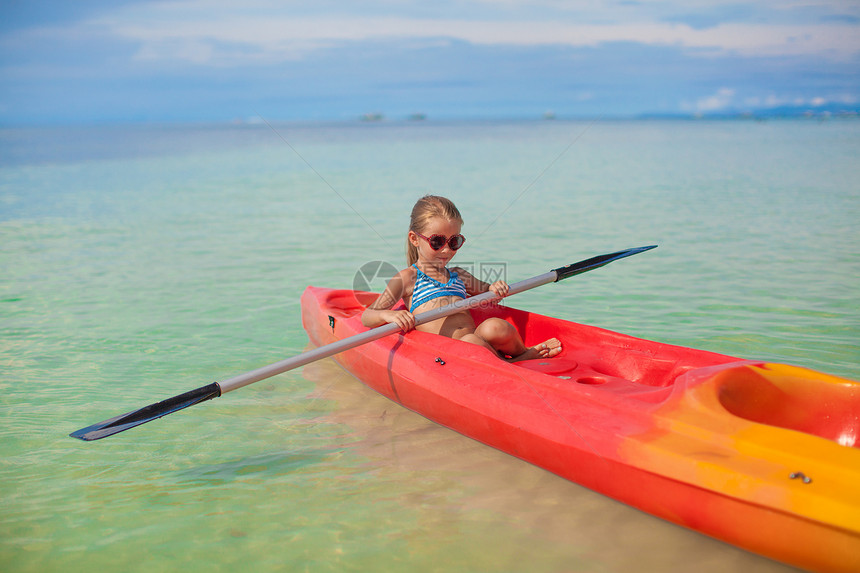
x: 763, y: 456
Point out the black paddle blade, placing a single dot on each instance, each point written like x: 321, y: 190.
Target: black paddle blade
x: 147, y: 414
x: 596, y: 262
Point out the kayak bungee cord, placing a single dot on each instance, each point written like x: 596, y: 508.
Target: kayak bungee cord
x: 214, y: 390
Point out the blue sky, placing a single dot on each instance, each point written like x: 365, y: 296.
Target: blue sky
x: 214, y: 60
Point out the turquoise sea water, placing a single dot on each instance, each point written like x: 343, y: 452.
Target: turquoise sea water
x: 141, y: 262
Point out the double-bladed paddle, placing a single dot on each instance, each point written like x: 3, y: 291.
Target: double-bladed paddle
x: 176, y: 403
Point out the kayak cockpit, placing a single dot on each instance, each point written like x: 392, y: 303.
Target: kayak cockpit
x: 347, y: 303
x: 597, y: 357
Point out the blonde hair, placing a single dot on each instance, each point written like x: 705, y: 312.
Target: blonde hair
x: 427, y: 208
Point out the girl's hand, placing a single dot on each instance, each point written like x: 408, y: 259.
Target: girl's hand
x: 403, y: 318
x: 500, y: 288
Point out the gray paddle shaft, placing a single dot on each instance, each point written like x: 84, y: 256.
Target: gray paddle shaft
x: 376, y: 333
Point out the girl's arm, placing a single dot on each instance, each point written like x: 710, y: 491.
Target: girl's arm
x: 476, y: 286
x: 379, y: 312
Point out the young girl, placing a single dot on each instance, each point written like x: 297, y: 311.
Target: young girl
x: 433, y: 239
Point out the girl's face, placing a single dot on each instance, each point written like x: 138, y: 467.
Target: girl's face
x: 437, y: 226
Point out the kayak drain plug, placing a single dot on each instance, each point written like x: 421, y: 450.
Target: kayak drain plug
x: 802, y: 477
x: 440, y: 361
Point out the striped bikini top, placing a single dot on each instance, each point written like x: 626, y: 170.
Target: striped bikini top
x: 427, y: 288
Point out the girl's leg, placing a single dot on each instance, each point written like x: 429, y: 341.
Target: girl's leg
x: 503, y: 337
x: 475, y: 339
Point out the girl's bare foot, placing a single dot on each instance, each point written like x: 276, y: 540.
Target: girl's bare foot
x: 546, y: 349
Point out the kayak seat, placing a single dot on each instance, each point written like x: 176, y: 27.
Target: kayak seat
x: 792, y: 398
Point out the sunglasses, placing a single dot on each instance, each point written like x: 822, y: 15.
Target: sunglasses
x: 436, y: 242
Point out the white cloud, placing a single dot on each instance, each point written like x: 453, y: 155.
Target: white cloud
x: 722, y: 100
x: 773, y: 101
x: 390, y: 48
x: 185, y: 29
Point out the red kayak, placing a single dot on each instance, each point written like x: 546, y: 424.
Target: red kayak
x: 763, y: 456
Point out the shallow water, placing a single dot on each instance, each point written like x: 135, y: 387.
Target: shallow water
x: 141, y: 262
